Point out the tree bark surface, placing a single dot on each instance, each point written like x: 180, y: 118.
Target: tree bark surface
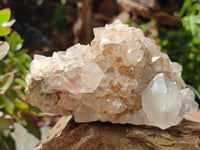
x: 68, y: 135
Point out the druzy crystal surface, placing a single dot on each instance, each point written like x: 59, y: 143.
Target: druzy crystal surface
x: 121, y: 77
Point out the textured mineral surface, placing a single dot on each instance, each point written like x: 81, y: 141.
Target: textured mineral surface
x: 121, y: 77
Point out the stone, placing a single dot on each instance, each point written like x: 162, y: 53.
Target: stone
x: 160, y: 99
x: 121, y: 77
x: 106, y: 136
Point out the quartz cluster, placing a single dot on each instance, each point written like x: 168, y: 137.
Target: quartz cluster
x: 121, y: 77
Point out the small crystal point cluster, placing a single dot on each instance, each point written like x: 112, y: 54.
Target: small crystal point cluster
x: 121, y: 77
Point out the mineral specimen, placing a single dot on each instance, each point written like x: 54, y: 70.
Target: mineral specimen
x: 121, y: 77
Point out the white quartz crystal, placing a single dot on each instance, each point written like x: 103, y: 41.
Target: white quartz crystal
x: 162, y: 102
x: 121, y: 77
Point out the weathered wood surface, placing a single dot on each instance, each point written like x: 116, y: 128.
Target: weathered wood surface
x: 68, y: 135
x: 154, y: 9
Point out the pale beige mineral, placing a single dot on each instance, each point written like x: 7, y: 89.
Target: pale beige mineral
x: 121, y: 77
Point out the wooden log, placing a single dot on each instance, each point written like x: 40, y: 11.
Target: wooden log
x: 68, y: 135
x: 86, y: 27
x: 151, y: 9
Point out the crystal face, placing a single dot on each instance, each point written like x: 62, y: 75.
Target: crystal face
x: 121, y: 77
x: 160, y: 99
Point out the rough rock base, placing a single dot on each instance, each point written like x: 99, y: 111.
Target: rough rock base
x: 68, y: 135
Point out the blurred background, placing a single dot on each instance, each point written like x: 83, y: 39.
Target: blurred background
x: 45, y: 26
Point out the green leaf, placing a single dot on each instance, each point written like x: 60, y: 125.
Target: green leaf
x: 21, y: 82
x: 6, y: 81
x: 4, y: 47
x: 6, y: 122
x: 36, y: 109
x: 4, y: 31
x: 6, y: 141
x: 31, y: 125
x: 21, y: 105
x: 28, y: 60
x: 9, y: 106
x: 9, y: 23
x: 20, y: 53
x: 21, y: 94
x: 33, y: 128
x: 15, y: 41
x: 21, y: 67
x: 4, y: 15
x: 11, y: 94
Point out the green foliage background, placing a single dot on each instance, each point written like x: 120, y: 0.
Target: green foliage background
x: 14, y: 66
x: 182, y: 43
